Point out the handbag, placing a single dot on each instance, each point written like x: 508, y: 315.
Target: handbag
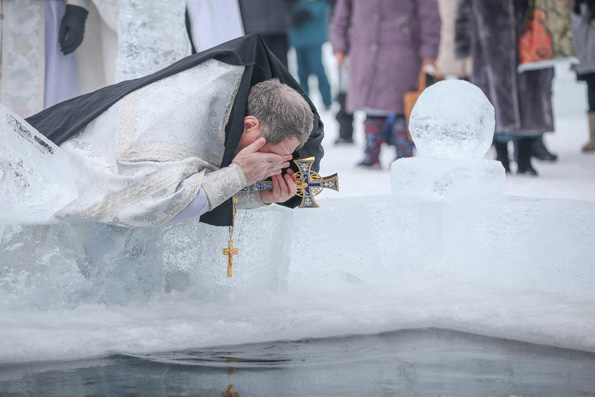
x: 547, y: 36
x: 410, y: 97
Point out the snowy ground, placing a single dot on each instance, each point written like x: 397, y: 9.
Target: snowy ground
x: 571, y: 177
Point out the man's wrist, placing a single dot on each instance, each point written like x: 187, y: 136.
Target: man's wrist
x: 222, y: 184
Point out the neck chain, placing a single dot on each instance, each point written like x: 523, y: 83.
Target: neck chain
x: 230, y: 251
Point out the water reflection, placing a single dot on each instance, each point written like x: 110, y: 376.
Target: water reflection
x: 414, y: 362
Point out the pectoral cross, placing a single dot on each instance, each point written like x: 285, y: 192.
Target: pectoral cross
x: 308, y: 184
x: 229, y: 392
x: 230, y: 251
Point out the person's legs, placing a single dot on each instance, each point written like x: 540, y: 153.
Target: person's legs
x: 541, y: 152
x: 590, y: 79
x: 500, y: 142
x: 373, y: 128
x: 344, y: 118
x: 345, y: 121
x: 318, y: 69
x: 401, y: 137
x: 303, y: 67
x: 502, y: 154
x: 525, y: 149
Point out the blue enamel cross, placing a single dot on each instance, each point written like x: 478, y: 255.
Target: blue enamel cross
x: 308, y: 182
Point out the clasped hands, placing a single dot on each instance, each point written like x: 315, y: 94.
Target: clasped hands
x: 259, y: 165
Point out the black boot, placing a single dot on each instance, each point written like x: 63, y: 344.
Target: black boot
x: 345, y: 122
x: 540, y: 152
x: 502, y: 155
x: 525, y: 146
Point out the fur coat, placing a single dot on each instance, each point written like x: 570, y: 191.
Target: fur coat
x: 489, y: 31
x: 583, y: 35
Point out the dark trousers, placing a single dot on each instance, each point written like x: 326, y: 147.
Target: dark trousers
x: 590, y: 79
x: 309, y: 61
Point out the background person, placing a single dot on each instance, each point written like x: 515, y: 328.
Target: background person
x: 387, y: 44
x: 309, y: 31
x: 583, y: 33
x: 522, y: 101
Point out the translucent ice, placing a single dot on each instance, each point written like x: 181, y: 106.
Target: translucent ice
x: 35, y: 175
x: 447, y: 179
x: 193, y: 255
x: 151, y: 36
x: 452, y: 119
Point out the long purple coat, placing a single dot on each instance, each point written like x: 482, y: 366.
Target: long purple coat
x: 385, y: 41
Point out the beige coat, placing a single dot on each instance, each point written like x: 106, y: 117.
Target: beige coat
x: 447, y: 64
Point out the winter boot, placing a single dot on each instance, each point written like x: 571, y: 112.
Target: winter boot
x: 345, y: 122
x: 373, y: 130
x: 590, y: 146
x: 524, y: 166
x: 401, y: 138
x: 502, y: 155
x: 540, y: 152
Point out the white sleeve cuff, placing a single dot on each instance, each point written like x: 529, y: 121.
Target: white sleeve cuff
x: 224, y: 183
x: 198, y: 206
x: 250, y: 200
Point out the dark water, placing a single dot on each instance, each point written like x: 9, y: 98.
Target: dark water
x: 405, y: 363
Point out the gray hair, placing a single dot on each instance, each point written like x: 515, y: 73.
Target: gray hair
x: 281, y: 111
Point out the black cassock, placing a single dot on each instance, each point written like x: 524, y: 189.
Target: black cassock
x: 65, y: 119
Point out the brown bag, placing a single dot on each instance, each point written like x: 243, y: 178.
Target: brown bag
x: 410, y: 97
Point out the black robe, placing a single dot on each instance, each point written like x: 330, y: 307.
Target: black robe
x: 62, y: 121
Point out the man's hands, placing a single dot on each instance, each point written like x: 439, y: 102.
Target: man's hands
x: 259, y: 165
x: 284, y: 188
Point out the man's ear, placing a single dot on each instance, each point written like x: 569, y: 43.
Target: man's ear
x: 251, y: 125
x: 251, y: 132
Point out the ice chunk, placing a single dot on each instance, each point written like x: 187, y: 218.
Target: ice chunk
x: 36, y: 179
x: 193, y: 254
x: 151, y: 36
x: 72, y: 263
x: 452, y: 119
x: 439, y: 179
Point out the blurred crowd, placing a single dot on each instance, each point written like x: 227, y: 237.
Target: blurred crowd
x: 385, y: 50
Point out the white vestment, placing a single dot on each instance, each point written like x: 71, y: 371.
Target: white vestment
x: 96, y: 56
x: 144, y: 160
x: 214, y: 22
x: 34, y: 74
x: 22, y: 55
x: 61, y: 77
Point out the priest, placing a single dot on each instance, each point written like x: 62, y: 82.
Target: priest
x: 185, y: 140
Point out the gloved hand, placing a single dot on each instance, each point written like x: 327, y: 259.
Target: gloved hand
x: 72, y: 28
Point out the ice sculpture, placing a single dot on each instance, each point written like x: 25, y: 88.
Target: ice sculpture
x: 452, y: 125
x: 35, y: 175
x: 151, y: 35
x: 452, y: 119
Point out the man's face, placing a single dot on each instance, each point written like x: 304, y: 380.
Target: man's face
x: 287, y: 146
x: 252, y: 133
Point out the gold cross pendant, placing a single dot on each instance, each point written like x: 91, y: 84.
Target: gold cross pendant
x: 230, y: 251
